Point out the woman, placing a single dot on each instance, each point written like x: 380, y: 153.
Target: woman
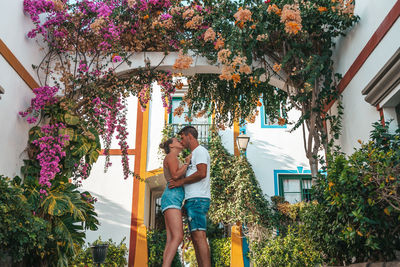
x: 171, y: 200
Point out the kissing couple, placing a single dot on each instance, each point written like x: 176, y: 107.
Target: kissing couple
x: 188, y: 187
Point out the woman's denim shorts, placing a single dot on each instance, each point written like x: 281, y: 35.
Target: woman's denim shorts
x: 172, y: 198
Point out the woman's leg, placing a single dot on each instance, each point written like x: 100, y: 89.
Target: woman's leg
x: 168, y: 236
x: 173, y: 223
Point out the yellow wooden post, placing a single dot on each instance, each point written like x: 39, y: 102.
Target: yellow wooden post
x: 138, y: 241
x: 236, y: 247
x: 141, y: 258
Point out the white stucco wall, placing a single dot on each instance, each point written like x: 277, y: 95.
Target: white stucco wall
x: 113, y: 192
x: 156, y: 125
x: 358, y: 114
x: 114, y: 204
x: 271, y: 149
x: 14, y: 135
x: 274, y: 149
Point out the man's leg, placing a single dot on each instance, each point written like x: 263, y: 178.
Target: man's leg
x: 197, y: 209
x: 201, y: 248
x: 196, y: 251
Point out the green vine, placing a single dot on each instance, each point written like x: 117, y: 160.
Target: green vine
x: 236, y: 195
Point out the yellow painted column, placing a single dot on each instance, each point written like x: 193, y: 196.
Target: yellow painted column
x: 138, y: 236
x: 236, y: 133
x: 141, y: 258
x: 236, y: 247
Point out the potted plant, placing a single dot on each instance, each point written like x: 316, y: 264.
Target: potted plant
x: 99, y: 252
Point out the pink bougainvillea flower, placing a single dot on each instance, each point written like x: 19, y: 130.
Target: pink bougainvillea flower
x: 116, y: 58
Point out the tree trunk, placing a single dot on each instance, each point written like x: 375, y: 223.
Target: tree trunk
x: 314, y: 168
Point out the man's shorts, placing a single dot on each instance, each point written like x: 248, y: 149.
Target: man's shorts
x: 196, y: 209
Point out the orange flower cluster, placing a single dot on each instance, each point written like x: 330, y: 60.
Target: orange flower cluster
x: 252, y: 117
x: 189, y: 13
x: 292, y: 19
x: 348, y: 9
x: 167, y: 24
x: 244, y: 68
x: 322, y: 9
x: 281, y: 121
x: 188, y: 119
x: 131, y: 3
x: 178, y: 111
x: 231, y: 69
x: 221, y: 126
x: 209, y: 35
x: 254, y: 81
x: 219, y: 43
x: 201, y: 113
x: 194, y: 23
x: 223, y: 55
x: 243, y: 15
x: 343, y: 7
x: 97, y: 24
x: 277, y: 67
x: 179, y: 85
x: 275, y: 9
x: 58, y: 5
x: 235, y: 78
x: 262, y: 37
x: 226, y: 72
x: 183, y: 61
x: 238, y: 60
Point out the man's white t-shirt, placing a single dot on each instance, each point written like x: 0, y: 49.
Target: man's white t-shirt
x: 201, y: 188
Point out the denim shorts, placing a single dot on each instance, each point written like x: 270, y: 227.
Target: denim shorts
x: 196, y: 209
x: 172, y: 198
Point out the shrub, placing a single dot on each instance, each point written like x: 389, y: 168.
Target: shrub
x: 294, y: 249
x: 20, y: 231
x: 358, y: 214
x: 156, y: 240
x: 220, y: 249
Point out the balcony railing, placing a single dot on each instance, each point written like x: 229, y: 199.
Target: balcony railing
x: 202, y: 129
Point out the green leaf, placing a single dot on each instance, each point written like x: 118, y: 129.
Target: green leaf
x: 71, y: 119
x: 93, y: 156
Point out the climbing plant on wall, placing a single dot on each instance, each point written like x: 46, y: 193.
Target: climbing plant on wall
x: 236, y: 195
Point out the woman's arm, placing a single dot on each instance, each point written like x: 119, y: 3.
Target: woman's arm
x: 173, y: 167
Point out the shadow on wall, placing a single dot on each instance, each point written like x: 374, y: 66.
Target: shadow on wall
x: 115, y: 221
x: 266, y: 157
x: 261, y: 152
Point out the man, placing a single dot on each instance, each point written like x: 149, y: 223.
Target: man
x: 197, y: 193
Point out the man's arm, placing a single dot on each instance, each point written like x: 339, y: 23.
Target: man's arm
x: 200, y: 174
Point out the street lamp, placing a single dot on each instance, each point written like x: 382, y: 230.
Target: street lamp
x: 242, y: 141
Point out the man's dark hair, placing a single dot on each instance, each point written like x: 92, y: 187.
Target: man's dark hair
x: 189, y: 129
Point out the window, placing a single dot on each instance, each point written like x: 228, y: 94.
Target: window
x: 174, y: 119
x: 202, y: 124
x: 295, y: 187
x: 267, y: 123
x: 398, y: 115
x: 158, y: 205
